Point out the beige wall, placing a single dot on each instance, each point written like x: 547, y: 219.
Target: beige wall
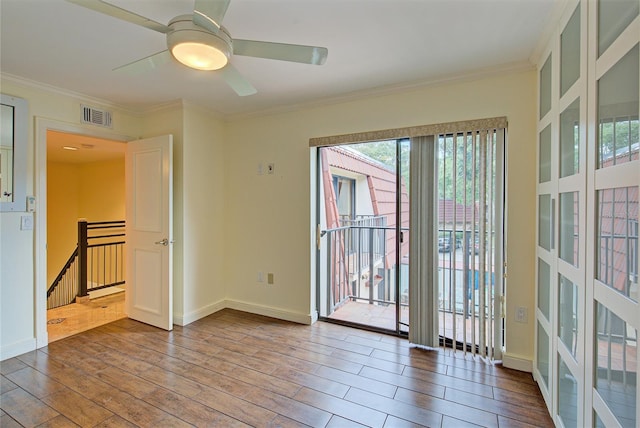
x: 267, y: 216
x: 230, y: 222
x: 102, y: 190
x: 204, y: 222
x: 94, y: 191
x: 63, y: 203
x: 23, y: 323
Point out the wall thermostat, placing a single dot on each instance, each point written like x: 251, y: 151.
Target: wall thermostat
x: 31, y: 204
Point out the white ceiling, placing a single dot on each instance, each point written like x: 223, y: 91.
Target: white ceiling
x: 373, y: 45
x: 60, y: 147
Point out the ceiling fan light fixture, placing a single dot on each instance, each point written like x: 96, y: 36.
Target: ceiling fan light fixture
x: 196, y: 47
x: 199, y: 56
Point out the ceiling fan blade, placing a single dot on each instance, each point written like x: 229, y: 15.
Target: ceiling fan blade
x: 236, y: 81
x: 146, y: 64
x: 281, y: 51
x: 125, y: 15
x: 208, y: 14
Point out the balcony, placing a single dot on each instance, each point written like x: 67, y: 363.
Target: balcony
x: 359, y: 269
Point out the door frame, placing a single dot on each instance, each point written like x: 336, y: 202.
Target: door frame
x: 42, y: 126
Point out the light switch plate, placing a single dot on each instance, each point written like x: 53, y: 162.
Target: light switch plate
x: 26, y: 222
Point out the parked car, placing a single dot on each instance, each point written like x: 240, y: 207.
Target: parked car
x: 444, y: 245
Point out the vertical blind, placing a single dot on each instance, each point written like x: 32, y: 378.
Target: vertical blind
x: 456, y: 235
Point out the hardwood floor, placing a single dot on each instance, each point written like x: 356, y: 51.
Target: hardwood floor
x: 237, y: 369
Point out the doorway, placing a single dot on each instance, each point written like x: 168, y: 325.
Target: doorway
x: 85, y: 186
x: 363, y: 222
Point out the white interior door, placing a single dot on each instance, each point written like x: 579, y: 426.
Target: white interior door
x: 149, y: 208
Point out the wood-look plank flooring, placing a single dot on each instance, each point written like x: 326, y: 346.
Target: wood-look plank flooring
x: 237, y: 369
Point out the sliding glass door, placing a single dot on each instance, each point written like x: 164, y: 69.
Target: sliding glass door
x: 363, y: 244
x: 470, y: 196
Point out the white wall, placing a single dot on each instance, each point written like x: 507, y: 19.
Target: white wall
x: 268, y: 226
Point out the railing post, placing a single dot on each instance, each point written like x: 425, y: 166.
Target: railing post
x: 82, y: 258
x: 371, y: 272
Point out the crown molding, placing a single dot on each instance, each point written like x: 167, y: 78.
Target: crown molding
x: 389, y: 90
x: 69, y: 93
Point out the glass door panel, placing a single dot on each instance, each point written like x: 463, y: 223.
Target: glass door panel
x: 618, y: 94
x: 364, y: 222
x: 544, y: 288
x: 569, y: 228
x: 568, y: 321
x: 469, y: 176
x: 570, y: 140
x: 616, y: 353
x: 567, y: 395
x: 570, y: 52
x: 613, y: 18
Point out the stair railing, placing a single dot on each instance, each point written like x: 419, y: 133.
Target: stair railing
x: 96, y: 263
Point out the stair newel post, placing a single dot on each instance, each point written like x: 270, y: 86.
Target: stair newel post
x: 82, y: 258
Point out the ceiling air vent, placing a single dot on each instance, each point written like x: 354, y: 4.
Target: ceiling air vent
x: 96, y: 116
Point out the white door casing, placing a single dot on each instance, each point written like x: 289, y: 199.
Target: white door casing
x: 149, y: 230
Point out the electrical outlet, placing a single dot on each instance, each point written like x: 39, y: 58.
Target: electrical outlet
x: 521, y: 314
x: 260, y: 276
x: 270, y: 278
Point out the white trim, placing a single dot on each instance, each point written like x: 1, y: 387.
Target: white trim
x: 622, y: 175
x: 68, y: 93
x: 269, y: 311
x: 17, y: 348
x: 42, y: 125
x: 204, y: 311
x: 517, y: 362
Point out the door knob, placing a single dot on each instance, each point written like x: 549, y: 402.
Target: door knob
x: 164, y: 242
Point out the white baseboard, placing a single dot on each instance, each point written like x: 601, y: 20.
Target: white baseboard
x: 517, y: 363
x: 252, y: 308
x: 270, y: 312
x: 17, y: 348
x: 199, y: 313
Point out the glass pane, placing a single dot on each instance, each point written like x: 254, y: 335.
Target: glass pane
x: 597, y: 422
x: 567, y: 395
x: 617, y: 221
x: 363, y: 262
x: 570, y: 52
x: 544, y: 287
x: 543, y: 355
x: 616, y: 375
x: 569, y: 232
x: 545, y: 88
x: 613, y: 17
x: 544, y: 221
x: 618, y: 140
x: 570, y: 140
x: 544, y: 163
x: 568, y: 314
x: 405, y: 148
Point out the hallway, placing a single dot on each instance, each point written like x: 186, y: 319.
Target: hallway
x: 75, y: 318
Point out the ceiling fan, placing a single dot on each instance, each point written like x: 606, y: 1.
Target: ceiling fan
x: 201, y: 42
